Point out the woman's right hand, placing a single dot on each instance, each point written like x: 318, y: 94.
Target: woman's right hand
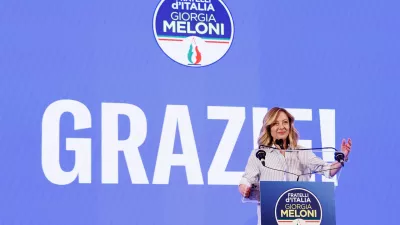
x: 244, y: 190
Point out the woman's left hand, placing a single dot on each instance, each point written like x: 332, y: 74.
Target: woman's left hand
x: 346, y: 148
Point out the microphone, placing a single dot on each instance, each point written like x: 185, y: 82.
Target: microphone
x: 280, y: 143
x: 261, y: 156
x: 339, y: 156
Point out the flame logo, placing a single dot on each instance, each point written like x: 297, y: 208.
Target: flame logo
x: 191, y: 53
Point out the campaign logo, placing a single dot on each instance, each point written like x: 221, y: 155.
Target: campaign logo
x: 298, y: 206
x: 193, y: 33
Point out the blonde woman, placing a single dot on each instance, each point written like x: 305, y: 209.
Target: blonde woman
x: 278, y: 124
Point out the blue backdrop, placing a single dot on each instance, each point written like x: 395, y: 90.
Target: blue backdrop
x: 334, y: 63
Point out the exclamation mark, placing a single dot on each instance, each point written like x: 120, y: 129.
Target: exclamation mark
x: 327, y: 124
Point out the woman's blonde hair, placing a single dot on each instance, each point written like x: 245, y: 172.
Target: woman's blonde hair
x: 265, y: 137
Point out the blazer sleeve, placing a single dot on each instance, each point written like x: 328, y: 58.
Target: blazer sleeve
x: 251, y: 173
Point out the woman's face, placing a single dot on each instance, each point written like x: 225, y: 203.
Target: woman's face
x: 280, y: 128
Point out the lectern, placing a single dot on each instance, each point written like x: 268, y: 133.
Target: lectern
x: 298, y: 203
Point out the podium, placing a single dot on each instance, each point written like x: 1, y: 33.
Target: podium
x: 297, y: 203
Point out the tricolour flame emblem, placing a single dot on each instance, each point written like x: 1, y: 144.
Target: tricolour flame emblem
x: 194, y: 53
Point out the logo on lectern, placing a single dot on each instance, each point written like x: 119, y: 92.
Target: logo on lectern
x: 298, y: 206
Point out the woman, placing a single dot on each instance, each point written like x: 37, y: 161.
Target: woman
x: 278, y: 124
